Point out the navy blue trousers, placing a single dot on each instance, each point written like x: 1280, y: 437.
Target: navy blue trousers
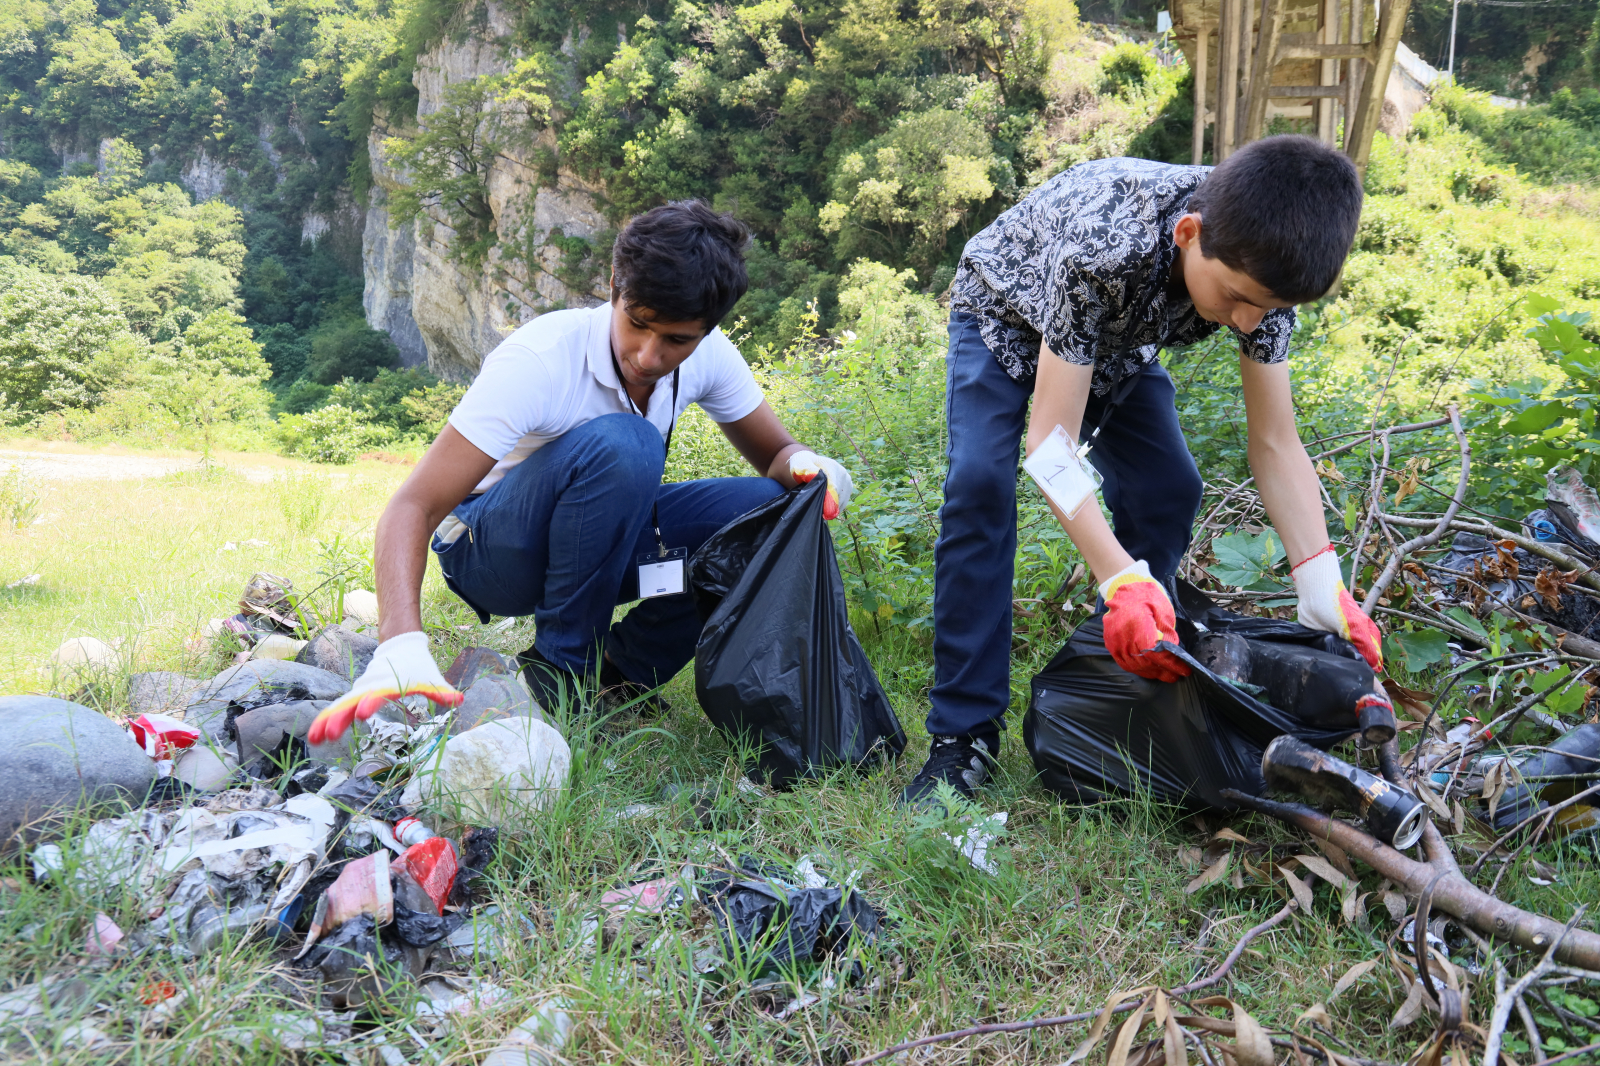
x: 560, y: 535
x: 1152, y: 488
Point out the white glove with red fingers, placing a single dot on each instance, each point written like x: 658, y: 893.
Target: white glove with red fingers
x: 1327, y: 605
x: 1138, y: 616
x: 401, y: 666
x: 805, y: 465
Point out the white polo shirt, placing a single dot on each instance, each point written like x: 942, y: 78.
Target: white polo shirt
x: 555, y: 373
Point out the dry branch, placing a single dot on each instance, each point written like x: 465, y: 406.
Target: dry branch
x: 1398, y: 557
x: 1453, y: 893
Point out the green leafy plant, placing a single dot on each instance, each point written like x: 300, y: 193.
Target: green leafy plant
x: 1249, y: 561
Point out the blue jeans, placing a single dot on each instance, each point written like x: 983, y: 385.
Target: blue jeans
x: 1151, y: 486
x: 559, y: 537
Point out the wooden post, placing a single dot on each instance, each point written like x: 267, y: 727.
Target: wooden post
x: 1241, y: 115
x: 1352, y: 67
x: 1266, y: 59
x: 1227, y: 80
x: 1201, y: 40
x: 1358, y: 143
x: 1328, y: 72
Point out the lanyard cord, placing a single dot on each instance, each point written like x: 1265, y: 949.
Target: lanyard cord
x: 1118, y: 392
x: 655, y: 515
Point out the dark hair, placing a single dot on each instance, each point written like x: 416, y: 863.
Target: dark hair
x: 1284, y: 211
x: 682, y: 261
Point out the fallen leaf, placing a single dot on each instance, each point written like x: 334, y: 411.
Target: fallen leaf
x: 1396, y: 905
x: 1551, y: 584
x: 1323, y: 869
x: 1252, y: 1048
x: 1433, y: 802
x: 1301, y: 890
x: 1316, y: 1014
x: 1410, y: 1010
x: 1122, y: 1042
x: 1347, y: 902
x: 1336, y: 855
x: 1101, y: 1021
x: 1209, y: 876
x: 1351, y: 976
x: 1228, y: 834
x: 1237, y: 880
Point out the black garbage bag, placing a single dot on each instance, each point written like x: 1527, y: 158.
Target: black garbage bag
x: 777, y: 660
x: 779, y: 925
x: 1095, y: 730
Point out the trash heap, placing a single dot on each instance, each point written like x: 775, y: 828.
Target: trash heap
x: 1489, y: 574
x: 362, y: 860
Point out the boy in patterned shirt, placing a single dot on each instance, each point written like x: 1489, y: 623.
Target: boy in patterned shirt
x: 1066, y: 300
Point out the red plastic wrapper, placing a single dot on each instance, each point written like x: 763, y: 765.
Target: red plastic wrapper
x: 432, y: 864
x: 162, y: 736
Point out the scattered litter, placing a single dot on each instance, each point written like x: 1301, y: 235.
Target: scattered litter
x: 104, y: 936
x: 481, y: 772
x: 767, y: 919
x: 975, y: 841
x: 22, y: 582
x: 162, y: 736
x: 649, y: 897
x: 277, y: 646
x: 432, y: 864
x: 1393, y: 816
x: 363, y: 888
x: 538, y: 1040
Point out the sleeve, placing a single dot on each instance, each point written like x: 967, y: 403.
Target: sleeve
x: 1269, y: 343
x: 731, y: 391
x: 1076, y: 307
x: 512, y: 396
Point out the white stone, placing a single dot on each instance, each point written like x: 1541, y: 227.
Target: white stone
x: 277, y: 646
x: 362, y: 605
x: 495, y: 771
x: 84, y: 651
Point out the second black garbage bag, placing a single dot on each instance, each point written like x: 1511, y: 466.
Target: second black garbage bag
x: 1095, y: 730
x: 777, y: 661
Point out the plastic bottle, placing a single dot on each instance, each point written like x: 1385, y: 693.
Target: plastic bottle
x: 409, y: 831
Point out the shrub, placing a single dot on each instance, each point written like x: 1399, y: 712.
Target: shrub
x: 51, y: 330
x: 332, y: 434
x: 349, y: 349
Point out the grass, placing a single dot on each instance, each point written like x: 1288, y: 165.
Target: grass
x: 1088, y: 900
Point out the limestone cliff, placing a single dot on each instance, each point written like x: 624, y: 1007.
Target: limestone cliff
x: 430, y: 305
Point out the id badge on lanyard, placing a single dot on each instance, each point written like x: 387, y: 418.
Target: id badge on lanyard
x: 662, y: 573
x: 1061, y: 470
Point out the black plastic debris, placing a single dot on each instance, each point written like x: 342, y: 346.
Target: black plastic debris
x: 363, y: 795
x: 1574, y: 759
x: 775, y: 925
x: 777, y: 661
x: 478, y: 847
x: 1485, y: 573
x: 1094, y: 730
x: 419, y: 928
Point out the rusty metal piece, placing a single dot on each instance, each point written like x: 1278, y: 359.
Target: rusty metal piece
x: 1394, y: 816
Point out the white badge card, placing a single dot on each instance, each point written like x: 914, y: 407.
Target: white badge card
x: 662, y: 575
x: 1062, y: 473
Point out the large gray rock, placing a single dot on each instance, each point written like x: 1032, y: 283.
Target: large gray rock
x: 59, y: 757
x: 338, y: 651
x: 257, y: 683
x: 492, y: 698
x: 163, y: 692
x: 476, y: 662
x: 264, y: 730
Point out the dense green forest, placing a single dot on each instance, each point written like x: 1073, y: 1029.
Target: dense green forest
x: 184, y: 177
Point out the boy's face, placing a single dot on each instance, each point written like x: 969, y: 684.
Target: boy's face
x: 1220, y: 293
x: 649, y: 348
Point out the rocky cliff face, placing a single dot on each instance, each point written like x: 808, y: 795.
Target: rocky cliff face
x: 433, y: 308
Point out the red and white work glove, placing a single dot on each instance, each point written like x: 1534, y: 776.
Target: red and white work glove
x: 1138, y: 615
x: 1327, y: 605
x: 401, y: 666
x: 805, y: 465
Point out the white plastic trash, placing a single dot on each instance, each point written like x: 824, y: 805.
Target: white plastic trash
x: 537, y: 1041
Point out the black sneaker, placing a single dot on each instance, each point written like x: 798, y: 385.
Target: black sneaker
x: 551, y: 685
x: 962, y: 761
x: 617, y: 692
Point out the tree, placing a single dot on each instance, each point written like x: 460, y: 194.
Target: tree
x: 214, y: 376
x: 349, y: 349
x: 52, y: 330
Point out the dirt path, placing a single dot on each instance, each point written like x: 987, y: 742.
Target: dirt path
x: 89, y: 466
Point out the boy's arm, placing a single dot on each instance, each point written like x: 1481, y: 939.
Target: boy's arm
x: 403, y: 664
x: 1288, y: 485
x: 1138, y: 613
x: 766, y: 444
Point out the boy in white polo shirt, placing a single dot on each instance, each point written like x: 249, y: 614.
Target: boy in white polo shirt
x: 543, y: 494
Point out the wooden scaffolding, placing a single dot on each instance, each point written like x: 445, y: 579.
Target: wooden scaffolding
x: 1255, y: 59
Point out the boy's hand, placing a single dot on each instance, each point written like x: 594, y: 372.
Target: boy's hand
x: 402, y: 666
x: 805, y: 465
x: 1327, y: 605
x: 1138, y: 615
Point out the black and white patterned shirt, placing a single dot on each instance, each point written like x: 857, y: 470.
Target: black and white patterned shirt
x: 1083, y: 263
